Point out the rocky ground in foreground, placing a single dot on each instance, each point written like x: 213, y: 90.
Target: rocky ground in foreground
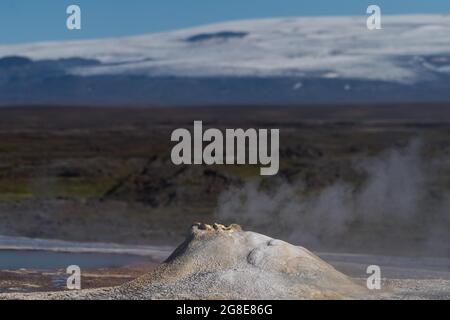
x: 217, y: 262
x: 30, y: 280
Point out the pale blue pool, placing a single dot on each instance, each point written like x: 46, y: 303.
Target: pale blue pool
x: 17, y: 259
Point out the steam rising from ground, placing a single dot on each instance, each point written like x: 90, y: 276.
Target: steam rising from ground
x: 393, y: 211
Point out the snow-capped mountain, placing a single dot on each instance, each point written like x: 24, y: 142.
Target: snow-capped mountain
x: 275, y: 61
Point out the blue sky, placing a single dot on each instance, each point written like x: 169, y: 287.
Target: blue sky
x: 39, y: 20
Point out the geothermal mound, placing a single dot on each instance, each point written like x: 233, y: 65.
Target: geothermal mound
x: 218, y: 262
